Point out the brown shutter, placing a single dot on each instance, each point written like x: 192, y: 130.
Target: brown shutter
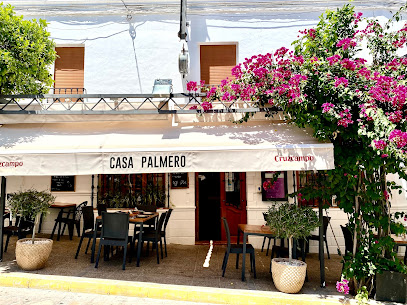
x: 217, y: 62
x: 69, y: 68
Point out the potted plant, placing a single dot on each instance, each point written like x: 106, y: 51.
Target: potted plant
x: 290, y: 221
x: 31, y: 253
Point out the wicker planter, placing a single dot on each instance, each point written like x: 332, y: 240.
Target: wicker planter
x: 288, y: 278
x: 33, y: 256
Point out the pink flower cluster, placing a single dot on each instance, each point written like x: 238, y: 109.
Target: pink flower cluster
x: 192, y: 86
x: 333, y: 59
x: 380, y: 144
x: 343, y: 286
x: 326, y: 107
x: 346, y: 118
x: 399, y: 137
x: 346, y: 43
x: 340, y: 81
x: 267, y: 185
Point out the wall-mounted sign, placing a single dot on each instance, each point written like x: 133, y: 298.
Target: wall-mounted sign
x: 275, y: 191
x: 62, y: 183
x: 179, y: 180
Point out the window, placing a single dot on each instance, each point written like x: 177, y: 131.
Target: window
x: 69, y: 70
x: 216, y: 62
x: 310, y: 179
x: 125, y: 191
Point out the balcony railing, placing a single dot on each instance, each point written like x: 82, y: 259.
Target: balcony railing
x: 177, y: 103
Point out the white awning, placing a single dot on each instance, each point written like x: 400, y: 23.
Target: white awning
x: 137, y: 147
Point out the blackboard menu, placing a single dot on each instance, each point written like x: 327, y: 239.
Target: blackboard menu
x: 179, y: 180
x: 62, y: 183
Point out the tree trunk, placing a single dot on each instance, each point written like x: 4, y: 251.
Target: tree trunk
x: 290, y: 249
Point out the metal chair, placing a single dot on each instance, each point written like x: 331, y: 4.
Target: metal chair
x: 72, y: 219
x: 115, y: 232
x: 325, y: 221
x: 348, y: 240
x: 267, y: 237
x: 101, y: 208
x: 238, y: 249
x: 21, y: 230
x: 88, y: 228
x: 155, y: 237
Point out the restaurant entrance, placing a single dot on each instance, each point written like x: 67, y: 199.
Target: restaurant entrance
x: 219, y: 195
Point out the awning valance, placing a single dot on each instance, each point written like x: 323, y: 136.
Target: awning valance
x: 142, y: 147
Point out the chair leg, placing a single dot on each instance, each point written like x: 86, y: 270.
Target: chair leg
x: 226, y: 263
x: 124, y: 257
x: 78, y: 228
x: 224, y: 259
x: 254, y: 266
x: 237, y: 261
x: 157, y: 251
x: 161, y: 247
x: 87, y: 246
x: 327, y: 249
x: 98, y: 256
x: 7, y: 240
x: 79, y: 246
x: 53, y: 230
x: 165, y: 246
x: 59, y: 231
x: 70, y: 229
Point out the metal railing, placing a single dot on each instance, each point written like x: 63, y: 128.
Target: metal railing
x: 174, y: 103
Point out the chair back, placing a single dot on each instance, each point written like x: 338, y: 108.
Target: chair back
x: 115, y: 225
x: 265, y: 216
x: 161, y: 223
x: 25, y: 226
x: 325, y: 221
x: 78, y: 210
x: 101, y: 208
x: 146, y: 208
x: 167, y: 218
x: 88, y: 218
x: 348, y: 239
x: 226, y: 226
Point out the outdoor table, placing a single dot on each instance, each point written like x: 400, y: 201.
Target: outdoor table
x: 247, y: 230
x: 61, y: 207
x: 400, y: 241
x: 133, y: 219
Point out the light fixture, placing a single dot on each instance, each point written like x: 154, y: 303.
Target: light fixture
x: 183, y: 62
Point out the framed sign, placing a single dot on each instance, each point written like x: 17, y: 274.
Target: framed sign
x: 179, y: 180
x: 278, y: 191
x: 62, y: 183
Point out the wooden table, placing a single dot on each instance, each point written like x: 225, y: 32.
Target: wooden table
x: 133, y: 219
x: 400, y: 241
x: 257, y: 230
x: 61, y: 207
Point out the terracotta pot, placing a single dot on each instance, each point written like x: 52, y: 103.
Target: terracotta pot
x: 33, y: 256
x: 287, y: 277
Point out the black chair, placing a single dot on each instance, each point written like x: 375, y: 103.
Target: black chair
x: 115, y: 232
x: 101, y: 208
x: 325, y: 221
x: 22, y: 228
x: 71, y: 218
x: 88, y: 228
x: 238, y: 249
x: 348, y: 240
x: 267, y: 237
x: 155, y: 237
x: 165, y: 229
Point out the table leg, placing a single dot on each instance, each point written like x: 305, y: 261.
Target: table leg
x: 238, y: 241
x: 244, y: 256
x: 139, y: 244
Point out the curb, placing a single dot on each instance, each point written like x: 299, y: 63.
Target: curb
x: 160, y: 291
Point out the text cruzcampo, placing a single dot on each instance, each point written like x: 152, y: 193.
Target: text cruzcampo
x: 149, y: 162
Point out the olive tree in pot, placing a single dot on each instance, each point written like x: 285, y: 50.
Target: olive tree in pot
x: 31, y: 253
x: 293, y: 222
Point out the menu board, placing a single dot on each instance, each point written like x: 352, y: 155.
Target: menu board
x: 179, y: 180
x: 62, y: 183
x: 278, y: 190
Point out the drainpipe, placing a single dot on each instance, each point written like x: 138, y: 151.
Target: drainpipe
x: 2, y: 207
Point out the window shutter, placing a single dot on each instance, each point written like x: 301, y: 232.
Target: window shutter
x: 69, y: 69
x: 217, y: 62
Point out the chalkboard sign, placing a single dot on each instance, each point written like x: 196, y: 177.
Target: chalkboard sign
x: 62, y: 183
x: 179, y: 180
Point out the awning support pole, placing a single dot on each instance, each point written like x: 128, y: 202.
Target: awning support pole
x: 321, y: 247
x: 2, y: 208
x: 93, y: 188
x: 168, y: 191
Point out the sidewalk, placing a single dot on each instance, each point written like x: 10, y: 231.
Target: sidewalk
x: 180, y: 276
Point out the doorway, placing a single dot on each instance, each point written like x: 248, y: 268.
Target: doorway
x: 219, y: 195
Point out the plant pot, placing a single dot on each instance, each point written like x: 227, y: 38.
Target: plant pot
x: 391, y: 286
x: 288, y: 278
x: 33, y: 256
